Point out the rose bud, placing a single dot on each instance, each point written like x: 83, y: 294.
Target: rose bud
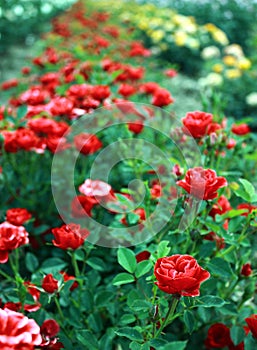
x: 144, y: 255
x: 49, y: 283
x: 241, y: 129
x: 218, y: 336
x: 246, y: 270
x: 50, y: 328
x: 180, y: 275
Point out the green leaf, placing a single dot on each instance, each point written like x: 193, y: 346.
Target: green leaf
x: 123, y: 278
x: 127, y: 318
x: 127, y: 259
x: 237, y: 334
x: 143, y: 267
x: 53, y: 265
x: 96, y: 263
x: 250, y: 343
x: 163, y: 249
x: 249, y: 189
x: 102, y: 298
x: 211, y: 301
x: 87, y: 339
x: 220, y: 268
x: 175, y: 345
x: 130, y: 333
x: 31, y: 262
x: 189, y: 320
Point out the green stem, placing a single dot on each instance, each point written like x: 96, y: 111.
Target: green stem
x: 75, y: 264
x: 59, y: 309
x: 169, y: 314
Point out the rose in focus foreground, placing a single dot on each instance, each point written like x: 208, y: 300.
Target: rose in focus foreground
x: 202, y: 183
x: 180, y: 274
x: 18, y: 331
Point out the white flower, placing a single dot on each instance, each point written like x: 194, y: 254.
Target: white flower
x: 251, y: 99
x: 210, y: 52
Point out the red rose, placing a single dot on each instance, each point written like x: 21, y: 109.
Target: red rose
x: 212, y: 236
x: 9, y: 84
x: 61, y: 106
x: 221, y: 207
x: 10, y: 143
x: 50, y: 328
x: 218, y: 337
x: 252, y: 324
x: 162, y: 97
x: 18, y: 331
x: 246, y: 270
x: 67, y: 277
x: 34, y: 96
x: 241, y: 129
x: 144, y: 255
x: 17, y: 216
x: 196, y: 123
x: 26, y: 139
x: 11, y: 237
x: 202, y: 183
x: 248, y: 208
x: 69, y: 236
x: 171, y: 73
x: 126, y: 90
x: 49, y: 283
x: 231, y: 144
x: 87, y: 143
x: 149, y: 88
x: 136, y: 127
x: 100, y: 92
x: 180, y: 274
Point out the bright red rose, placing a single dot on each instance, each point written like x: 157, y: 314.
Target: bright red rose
x: 246, y: 270
x: 11, y: 237
x: 202, y: 183
x: 49, y: 283
x: 162, y: 97
x: 61, y: 106
x: 196, y: 123
x: 34, y: 96
x: 241, y: 129
x: 48, y: 126
x: 218, y: 336
x: 50, y: 328
x: 180, y: 274
x: 100, y: 92
x: 17, y: 216
x: 26, y: 139
x: 126, y: 90
x: 87, y: 143
x: 252, y: 324
x: 18, y: 331
x: 69, y: 236
x: 136, y: 127
x: 82, y: 205
x: 10, y: 143
x: 149, y: 88
x: 221, y: 207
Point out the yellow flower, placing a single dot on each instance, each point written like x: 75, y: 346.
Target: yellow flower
x: 157, y: 35
x: 193, y: 43
x: 180, y: 38
x: 244, y: 64
x: 230, y: 60
x: 219, y: 36
x: 233, y: 73
x: 210, y: 27
x: 217, y: 68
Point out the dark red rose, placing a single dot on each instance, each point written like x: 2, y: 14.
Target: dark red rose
x: 246, y: 270
x: 17, y: 216
x: 18, y: 331
x: 162, y: 97
x: 202, y: 183
x: 252, y: 324
x: 218, y: 336
x: 196, y: 123
x: 241, y: 129
x: 69, y: 236
x: 180, y: 274
x: 50, y: 328
x: 49, y: 283
x: 12, y: 237
x: 87, y: 143
x: 221, y: 207
x: 144, y: 255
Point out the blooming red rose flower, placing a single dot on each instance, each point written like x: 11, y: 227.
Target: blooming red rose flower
x: 18, y: 331
x: 144, y: 255
x: 126, y: 90
x: 50, y: 328
x: 180, y: 274
x: 17, y: 216
x: 252, y: 324
x: 202, y: 183
x: 61, y: 106
x: 136, y: 127
x: 246, y: 270
x: 49, y: 283
x: 82, y: 205
x: 149, y: 87
x: 34, y: 96
x: 221, y: 207
x: 46, y: 126
x: 11, y: 237
x: 26, y: 139
x: 218, y: 336
x: 69, y: 236
x: 241, y: 129
x: 87, y: 143
x: 196, y: 123
x: 100, y: 92
x: 162, y: 97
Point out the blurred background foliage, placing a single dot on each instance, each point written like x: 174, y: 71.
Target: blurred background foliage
x: 22, y: 20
